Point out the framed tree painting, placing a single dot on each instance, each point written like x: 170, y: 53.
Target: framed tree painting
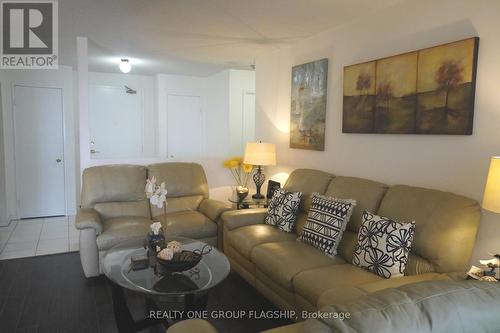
x: 308, y: 105
x: 430, y: 91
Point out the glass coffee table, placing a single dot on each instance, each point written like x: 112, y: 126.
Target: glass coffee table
x: 162, y: 289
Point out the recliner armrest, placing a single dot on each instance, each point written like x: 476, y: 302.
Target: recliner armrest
x: 213, y: 208
x: 240, y: 218
x: 88, y: 218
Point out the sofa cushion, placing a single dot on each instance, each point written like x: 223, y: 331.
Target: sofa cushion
x: 246, y: 238
x: 326, y: 222
x: 113, y: 183
x: 282, y: 261
x: 307, y: 181
x: 310, y: 284
x: 121, y: 229
x: 344, y: 294
x: 109, y: 210
x: 190, y: 224
x: 283, y: 209
x: 182, y: 180
x: 178, y: 205
x: 442, y: 219
x: 367, y: 193
x: 383, y: 245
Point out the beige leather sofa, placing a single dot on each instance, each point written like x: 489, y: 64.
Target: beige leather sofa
x: 430, y: 306
x: 296, y: 276
x: 114, y: 207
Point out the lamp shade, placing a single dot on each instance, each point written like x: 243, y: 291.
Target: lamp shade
x: 491, y: 198
x: 260, y: 153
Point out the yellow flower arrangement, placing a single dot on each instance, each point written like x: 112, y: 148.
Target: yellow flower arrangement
x: 240, y: 171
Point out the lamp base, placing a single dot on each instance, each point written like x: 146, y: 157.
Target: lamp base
x: 258, y: 196
x: 259, y: 179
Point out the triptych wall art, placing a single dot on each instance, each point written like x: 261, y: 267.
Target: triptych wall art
x: 430, y: 91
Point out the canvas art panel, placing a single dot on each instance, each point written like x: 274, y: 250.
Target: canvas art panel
x: 308, y: 105
x: 359, y: 98
x: 430, y: 91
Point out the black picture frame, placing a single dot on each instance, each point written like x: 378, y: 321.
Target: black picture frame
x: 272, y: 186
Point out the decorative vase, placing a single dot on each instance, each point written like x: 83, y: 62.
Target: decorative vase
x: 155, y: 242
x: 242, y: 192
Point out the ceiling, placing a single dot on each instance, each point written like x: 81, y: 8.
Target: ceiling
x: 194, y: 37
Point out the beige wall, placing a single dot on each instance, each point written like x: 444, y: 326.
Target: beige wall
x: 451, y: 163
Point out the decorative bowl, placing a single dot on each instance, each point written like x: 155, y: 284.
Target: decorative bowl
x: 184, y: 260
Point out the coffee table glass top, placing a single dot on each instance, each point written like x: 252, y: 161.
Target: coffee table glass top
x: 210, y: 271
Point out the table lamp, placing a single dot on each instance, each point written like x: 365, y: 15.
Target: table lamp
x: 259, y: 154
x: 491, y: 198
x: 491, y: 202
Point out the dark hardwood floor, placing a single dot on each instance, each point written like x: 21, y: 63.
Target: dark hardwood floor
x: 51, y: 294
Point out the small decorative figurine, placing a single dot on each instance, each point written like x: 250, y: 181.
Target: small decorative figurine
x: 492, y: 264
x: 156, y: 239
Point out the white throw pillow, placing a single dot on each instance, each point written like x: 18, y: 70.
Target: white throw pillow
x: 283, y: 208
x: 383, y: 245
x: 326, y: 222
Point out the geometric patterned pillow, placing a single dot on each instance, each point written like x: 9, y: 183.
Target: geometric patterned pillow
x: 283, y: 208
x: 326, y: 223
x: 383, y: 245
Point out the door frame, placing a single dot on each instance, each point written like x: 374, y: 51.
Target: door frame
x: 243, y: 94
x: 143, y: 130
x: 14, y: 132
x: 203, y: 122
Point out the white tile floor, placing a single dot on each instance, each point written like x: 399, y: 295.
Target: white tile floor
x: 36, y: 237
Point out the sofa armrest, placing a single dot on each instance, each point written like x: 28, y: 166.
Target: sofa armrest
x: 192, y: 326
x: 88, y: 218
x: 240, y: 218
x: 213, y: 208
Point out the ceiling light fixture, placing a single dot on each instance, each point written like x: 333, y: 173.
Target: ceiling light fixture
x: 125, y: 66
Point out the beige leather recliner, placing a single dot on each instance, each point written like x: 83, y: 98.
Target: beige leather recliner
x: 114, y: 207
x: 296, y: 276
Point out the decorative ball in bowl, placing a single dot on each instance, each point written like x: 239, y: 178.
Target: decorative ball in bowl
x: 182, y: 260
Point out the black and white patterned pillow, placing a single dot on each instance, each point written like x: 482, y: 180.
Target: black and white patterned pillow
x: 283, y: 208
x: 383, y: 245
x: 326, y: 222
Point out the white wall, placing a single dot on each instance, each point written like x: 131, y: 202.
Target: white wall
x: 214, y: 93
x: 451, y: 163
x: 61, y: 78
x: 240, y: 82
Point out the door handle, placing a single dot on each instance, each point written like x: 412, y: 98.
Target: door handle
x: 58, y: 160
x: 93, y: 151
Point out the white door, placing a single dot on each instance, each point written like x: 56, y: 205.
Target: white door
x: 39, y: 151
x: 116, y: 122
x: 248, y: 127
x: 184, y: 127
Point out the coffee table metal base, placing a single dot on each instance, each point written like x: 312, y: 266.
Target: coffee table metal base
x: 126, y: 323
